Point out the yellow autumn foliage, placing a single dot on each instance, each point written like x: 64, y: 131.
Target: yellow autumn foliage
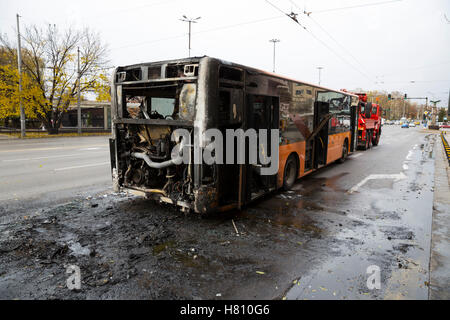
x: 32, y: 97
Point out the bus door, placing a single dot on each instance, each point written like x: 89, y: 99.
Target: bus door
x: 230, y: 116
x: 262, y: 112
x: 321, y: 119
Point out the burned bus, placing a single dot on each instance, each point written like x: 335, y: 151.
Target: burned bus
x: 309, y: 127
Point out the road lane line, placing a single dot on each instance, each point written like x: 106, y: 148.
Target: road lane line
x: 83, y: 166
x: 410, y: 153
x: 53, y: 148
x: 356, y: 155
x: 396, y: 177
x: 48, y: 157
x: 89, y: 149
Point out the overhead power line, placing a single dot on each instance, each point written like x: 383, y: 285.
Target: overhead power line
x: 324, y: 43
x: 330, y: 36
x: 199, y: 32
x: 356, y: 6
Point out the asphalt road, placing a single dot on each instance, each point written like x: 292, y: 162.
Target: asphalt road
x: 53, y: 169
x: 318, y: 241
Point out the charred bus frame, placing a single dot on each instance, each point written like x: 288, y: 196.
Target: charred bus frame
x: 316, y: 125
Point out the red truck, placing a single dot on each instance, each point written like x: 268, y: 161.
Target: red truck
x: 369, y: 122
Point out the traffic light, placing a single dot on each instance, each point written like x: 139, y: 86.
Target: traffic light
x: 389, y: 96
x: 406, y: 96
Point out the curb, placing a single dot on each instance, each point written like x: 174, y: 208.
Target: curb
x: 439, y: 278
x: 446, y: 147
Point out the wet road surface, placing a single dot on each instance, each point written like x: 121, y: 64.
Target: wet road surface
x: 314, y: 242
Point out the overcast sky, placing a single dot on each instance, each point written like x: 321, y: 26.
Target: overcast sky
x: 394, y: 46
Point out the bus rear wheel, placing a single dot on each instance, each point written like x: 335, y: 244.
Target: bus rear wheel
x: 290, y: 172
x: 344, y: 152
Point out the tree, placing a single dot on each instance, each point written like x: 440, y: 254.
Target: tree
x: 103, y: 88
x: 9, y: 94
x: 49, y: 59
x: 397, y: 107
x: 442, y: 114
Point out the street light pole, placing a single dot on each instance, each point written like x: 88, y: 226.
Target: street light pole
x: 320, y: 69
x: 78, y: 93
x: 274, y: 43
x: 434, y: 112
x: 19, y: 67
x: 190, y: 21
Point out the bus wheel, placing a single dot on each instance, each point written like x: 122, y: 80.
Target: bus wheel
x: 290, y: 172
x: 344, y: 152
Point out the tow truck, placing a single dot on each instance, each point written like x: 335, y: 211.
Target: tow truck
x: 369, y: 122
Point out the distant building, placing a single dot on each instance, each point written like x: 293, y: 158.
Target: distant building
x: 94, y: 114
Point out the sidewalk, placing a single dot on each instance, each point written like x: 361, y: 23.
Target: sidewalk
x: 440, y: 238
x: 7, y: 137
x: 45, y: 135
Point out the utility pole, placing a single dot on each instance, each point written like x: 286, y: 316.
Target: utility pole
x: 274, y: 43
x: 404, y: 108
x: 190, y: 21
x: 448, y: 110
x: 19, y: 67
x: 78, y: 93
x: 320, y: 69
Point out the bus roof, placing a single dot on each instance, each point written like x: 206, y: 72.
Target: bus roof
x: 232, y: 64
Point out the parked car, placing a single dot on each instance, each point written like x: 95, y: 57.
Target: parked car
x: 397, y: 122
x: 405, y: 125
x: 445, y: 125
x: 412, y: 124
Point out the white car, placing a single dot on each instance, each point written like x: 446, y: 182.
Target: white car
x: 411, y: 124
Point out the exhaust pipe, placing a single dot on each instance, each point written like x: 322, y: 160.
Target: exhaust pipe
x: 156, y: 165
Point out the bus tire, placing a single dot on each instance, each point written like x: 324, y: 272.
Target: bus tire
x: 290, y: 172
x: 344, y: 152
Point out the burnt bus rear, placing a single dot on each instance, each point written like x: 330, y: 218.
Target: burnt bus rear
x: 149, y: 102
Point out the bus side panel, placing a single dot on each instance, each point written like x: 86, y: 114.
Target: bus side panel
x: 284, y: 152
x: 335, y: 142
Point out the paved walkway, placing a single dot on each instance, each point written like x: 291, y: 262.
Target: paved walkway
x: 6, y: 137
x: 440, y: 240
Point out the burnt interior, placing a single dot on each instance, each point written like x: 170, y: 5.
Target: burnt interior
x: 155, y: 142
x: 149, y: 111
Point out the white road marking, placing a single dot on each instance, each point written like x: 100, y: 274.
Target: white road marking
x: 396, y: 177
x: 47, y: 149
x: 410, y: 153
x: 40, y: 158
x: 356, y: 155
x: 88, y: 149
x: 83, y: 166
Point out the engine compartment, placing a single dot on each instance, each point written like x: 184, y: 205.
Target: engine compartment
x: 156, y: 174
